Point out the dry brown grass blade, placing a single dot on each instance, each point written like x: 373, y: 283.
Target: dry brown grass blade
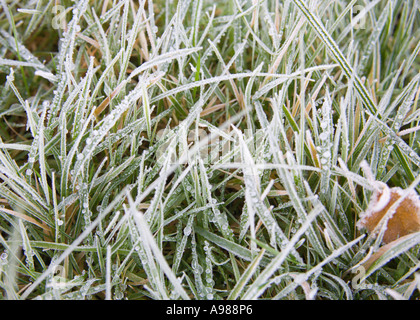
x: 107, y: 100
x: 26, y: 218
x: 382, y: 251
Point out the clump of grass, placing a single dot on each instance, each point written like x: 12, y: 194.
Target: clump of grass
x: 205, y: 150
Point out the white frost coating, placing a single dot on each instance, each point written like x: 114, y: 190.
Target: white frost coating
x: 23, y: 184
x: 72, y: 246
x: 24, y: 53
x: 368, y: 171
x: 213, y: 80
x: 149, y: 241
x: 255, y: 290
x: 383, y: 199
x: 9, y: 62
x: 46, y: 75
x: 285, y: 77
x: 107, y: 124
x: 162, y: 59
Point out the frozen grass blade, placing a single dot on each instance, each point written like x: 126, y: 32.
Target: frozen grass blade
x: 69, y: 249
x: 246, y: 276
x: 148, y: 239
x: 337, y: 54
x: 392, y: 250
x: 254, y: 291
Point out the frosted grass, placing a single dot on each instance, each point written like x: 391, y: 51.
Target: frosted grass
x: 205, y: 150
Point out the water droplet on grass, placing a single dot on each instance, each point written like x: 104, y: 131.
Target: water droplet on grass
x: 323, y: 136
x: 3, y: 257
x: 187, y: 231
